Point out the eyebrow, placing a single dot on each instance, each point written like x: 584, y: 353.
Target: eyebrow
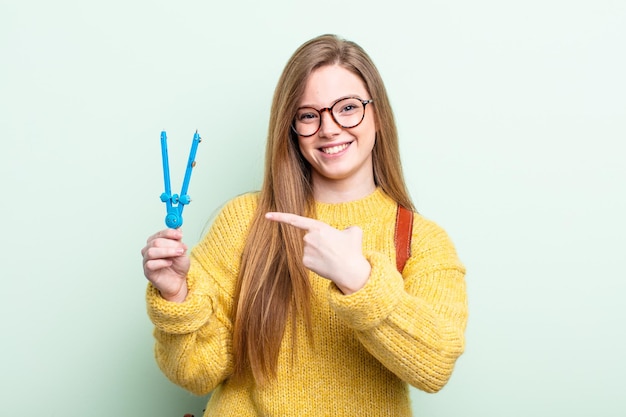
x: 333, y: 102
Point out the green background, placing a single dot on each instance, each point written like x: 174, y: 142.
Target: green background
x: 512, y: 118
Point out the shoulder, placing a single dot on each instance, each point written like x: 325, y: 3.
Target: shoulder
x: 239, y: 210
x: 431, y: 242
x: 428, y: 232
x: 246, y: 202
x: 230, y: 225
x: 426, y: 228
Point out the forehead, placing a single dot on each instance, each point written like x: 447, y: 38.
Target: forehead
x: 326, y: 84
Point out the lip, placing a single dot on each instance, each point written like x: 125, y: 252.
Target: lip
x: 329, y: 146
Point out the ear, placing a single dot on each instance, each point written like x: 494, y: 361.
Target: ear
x: 377, y: 123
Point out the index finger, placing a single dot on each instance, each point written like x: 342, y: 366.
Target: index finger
x: 175, y: 234
x: 304, y: 223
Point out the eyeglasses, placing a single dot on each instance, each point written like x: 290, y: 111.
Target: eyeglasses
x: 346, y: 112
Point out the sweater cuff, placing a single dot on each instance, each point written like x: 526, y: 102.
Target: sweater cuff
x: 373, y: 303
x: 178, y: 318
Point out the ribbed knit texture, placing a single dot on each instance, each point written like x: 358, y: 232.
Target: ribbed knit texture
x: 367, y: 345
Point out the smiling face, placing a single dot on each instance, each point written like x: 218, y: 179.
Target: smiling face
x: 340, y: 158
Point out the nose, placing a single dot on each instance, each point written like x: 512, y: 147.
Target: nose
x: 329, y: 126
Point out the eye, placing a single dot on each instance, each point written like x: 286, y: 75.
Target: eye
x: 307, y: 116
x: 348, y: 106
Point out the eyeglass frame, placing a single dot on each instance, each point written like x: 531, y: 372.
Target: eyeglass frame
x: 332, y: 115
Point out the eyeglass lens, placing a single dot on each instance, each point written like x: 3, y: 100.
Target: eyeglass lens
x: 347, y: 113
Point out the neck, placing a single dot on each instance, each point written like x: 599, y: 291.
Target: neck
x: 332, y: 191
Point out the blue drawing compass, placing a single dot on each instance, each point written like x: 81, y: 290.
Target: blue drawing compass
x: 174, y: 202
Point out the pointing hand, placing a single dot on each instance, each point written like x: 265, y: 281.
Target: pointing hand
x: 333, y: 254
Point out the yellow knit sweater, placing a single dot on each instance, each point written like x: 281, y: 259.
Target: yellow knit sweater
x: 398, y: 329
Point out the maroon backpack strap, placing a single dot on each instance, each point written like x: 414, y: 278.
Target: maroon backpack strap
x: 402, y: 237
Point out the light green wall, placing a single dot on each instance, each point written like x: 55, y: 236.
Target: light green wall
x: 513, y: 123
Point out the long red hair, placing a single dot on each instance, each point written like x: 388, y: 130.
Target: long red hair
x: 273, y: 283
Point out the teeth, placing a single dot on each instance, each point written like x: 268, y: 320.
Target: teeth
x: 335, y: 149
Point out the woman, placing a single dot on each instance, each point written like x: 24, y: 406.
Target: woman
x: 292, y: 304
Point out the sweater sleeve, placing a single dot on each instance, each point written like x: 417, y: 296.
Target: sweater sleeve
x: 412, y: 323
x: 193, y: 339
